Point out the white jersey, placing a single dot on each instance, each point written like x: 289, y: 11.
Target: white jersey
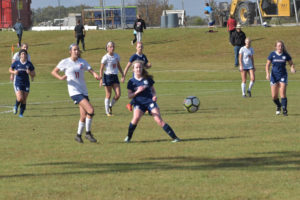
x: 74, y: 70
x: 247, y: 55
x: 17, y: 57
x: 111, y: 63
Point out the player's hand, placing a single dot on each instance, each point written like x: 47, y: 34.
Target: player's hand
x: 96, y: 76
x: 101, y: 82
x: 268, y: 77
x: 27, y: 71
x: 140, y: 89
x: 241, y: 69
x: 64, y: 77
x: 154, y: 98
x: 122, y: 79
x: 11, y: 77
x: 293, y: 70
x: 16, y: 72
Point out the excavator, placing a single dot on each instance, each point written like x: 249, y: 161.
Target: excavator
x: 245, y: 11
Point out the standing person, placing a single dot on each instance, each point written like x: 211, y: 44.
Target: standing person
x: 139, y: 25
x: 139, y: 55
x: 79, y: 33
x: 74, y: 68
x: 18, y: 27
x: 110, y: 80
x: 231, y: 24
x: 134, y: 39
x: 22, y: 69
x: 17, y: 57
x: 247, y: 65
x: 238, y: 41
x: 141, y: 90
x: 207, y: 8
x: 278, y: 76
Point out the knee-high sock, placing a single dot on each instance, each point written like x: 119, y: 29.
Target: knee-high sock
x: 277, y: 102
x: 106, y: 104
x: 131, y: 129
x: 243, y: 85
x: 169, y: 131
x: 284, y: 103
x: 251, y: 85
x: 88, y: 124
x: 22, y: 108
x: 17, y: 103
x: 80, y: 127
x: 113, y: 101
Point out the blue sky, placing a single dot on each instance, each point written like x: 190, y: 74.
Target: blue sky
x: 192, y: 7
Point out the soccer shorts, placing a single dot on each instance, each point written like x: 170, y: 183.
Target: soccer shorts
x: 79, y: 97
x: 110, y: 79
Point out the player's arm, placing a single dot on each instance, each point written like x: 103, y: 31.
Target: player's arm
x: 268, y: 69
x: 252, y: 58
x: 240, y: 61
x: 101, y: 74
x: 132, y: 94
x: 13, y: 71
x: 120, y: 69
x: 293, y: 70
x: 126, y: 70
x: 153, y: 91
x: 148, y: 65
x: 94, y: 74
x: 56, y: 74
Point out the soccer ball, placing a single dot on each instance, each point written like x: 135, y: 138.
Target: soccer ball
x: 191, y: 104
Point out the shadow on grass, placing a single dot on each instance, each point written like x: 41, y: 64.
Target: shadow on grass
x: 41, y: 44
x: 257, y: 39
x: 160, y: 42
x: 94, y: 49
x: 272, y: 161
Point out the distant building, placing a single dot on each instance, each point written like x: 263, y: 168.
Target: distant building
x: 11, y: 10
x: 112, y: 17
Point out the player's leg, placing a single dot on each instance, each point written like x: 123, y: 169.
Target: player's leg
x: 275, y: 92
x: 137, y: 114
x: 23, y: 102
x: 243, y: 84
x: 81, y: 124
x: 117, y: 90
x: 157, y: 117
x: 252, y: 80
x: 87, y: 113
x: 108, y: 90
x: 82, y: 43
x: 284, y: 100
x: 18, y: 99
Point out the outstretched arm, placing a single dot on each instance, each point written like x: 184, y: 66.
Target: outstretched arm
x: 125, y: 71
x: 121, y: 71
x: 94, y: 74
x: 56, y: 74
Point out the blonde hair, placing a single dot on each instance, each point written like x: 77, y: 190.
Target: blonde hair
x: 145, y: 73
x: 283, y: 46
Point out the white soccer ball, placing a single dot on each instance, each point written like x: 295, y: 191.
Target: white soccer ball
x: 191, y: 104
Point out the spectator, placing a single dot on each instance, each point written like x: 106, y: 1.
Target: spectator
x: 79, y: 32
x: 231, y: 24
x: 139, y: 25
x: 18, y: 27
x: 237, y: 39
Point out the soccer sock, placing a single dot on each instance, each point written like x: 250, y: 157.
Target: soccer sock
x: 22, y: 108
x: 169, y: 131
x: 17, y: 103
x: 106, y: 104
x: 113, y: 101
x: 80, y: 127
x: 131, y: 129
x: 277, y: 102
x: 243, y: 85
x: 284, y: 103
x: 88, y: 124
x: 251, y: 85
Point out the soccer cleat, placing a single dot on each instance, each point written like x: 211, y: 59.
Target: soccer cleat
x: 108, y: 115
x: 110, y: 110
x: 127, y: 139
x: 278, y: 110
x: 15, y: 110
x: 129, y: 107
x: 78, y: 139
x: 176, y: 140
x: 21, y: 115
x: 131, y: 42
x: 90, y: 137
x: 249, y: 93
x: 244, y: 96
x: 285, y: 112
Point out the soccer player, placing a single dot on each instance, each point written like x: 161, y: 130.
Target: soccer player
x: 17, y: 57
x: 141, y: 90
x: 79, y: 33
x: 110, y: 80
x: 247, y: 65
x: 21, y: 69
x: 74, y: 68
x: 139, y: 55
x: 278, y: 76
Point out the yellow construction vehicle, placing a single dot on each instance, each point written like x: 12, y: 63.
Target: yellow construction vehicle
x: 245, y: 11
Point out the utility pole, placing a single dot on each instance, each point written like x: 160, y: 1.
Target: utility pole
x: 182, y: 3
x: 59, y: 14
x: 123, y: 14
x: 101, y: 5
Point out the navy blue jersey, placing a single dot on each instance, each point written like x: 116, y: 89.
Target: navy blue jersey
x: 145, y: 96
x: 279, y: 62
x: 138, y: 57
x: 22, y: 77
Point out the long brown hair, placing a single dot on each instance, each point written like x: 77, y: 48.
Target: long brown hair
x: 145, y: 73
x: 283, y: 46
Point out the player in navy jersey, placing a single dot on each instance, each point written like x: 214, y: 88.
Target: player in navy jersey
x: 74, y: 68
x: 141, y: 90
x: 110, y: 80
x: 278, y: 76
x: 22, y: 69
x: 139, y: 55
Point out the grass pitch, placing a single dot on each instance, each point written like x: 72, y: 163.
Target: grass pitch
x: 233, y: 148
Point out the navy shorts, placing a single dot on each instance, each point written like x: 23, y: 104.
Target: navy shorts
x: 22, y: 87
x: 278, y: 78
x: 110, y: 79
x: 79, y: 97
x: 211, y: 23
x: 146, y: 106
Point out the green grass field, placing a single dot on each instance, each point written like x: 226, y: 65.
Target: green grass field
x: 232, y: 149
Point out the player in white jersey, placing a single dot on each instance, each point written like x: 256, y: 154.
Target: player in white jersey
x: 246, y: 61
x: 17, y: 57
x: 110, y: 80
x: 74, y: 68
